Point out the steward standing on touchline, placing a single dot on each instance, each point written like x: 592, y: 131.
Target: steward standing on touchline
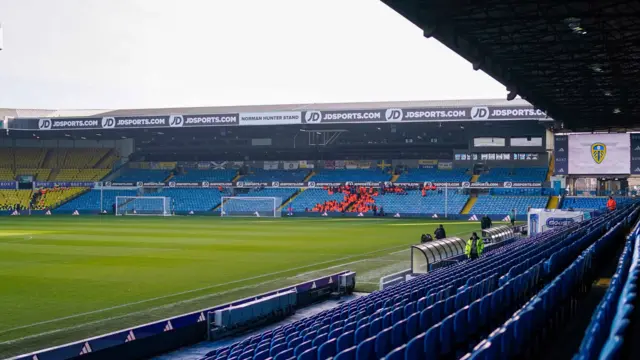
x: 474, y: 247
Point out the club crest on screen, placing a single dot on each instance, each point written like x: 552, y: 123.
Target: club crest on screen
x: 598, y: 152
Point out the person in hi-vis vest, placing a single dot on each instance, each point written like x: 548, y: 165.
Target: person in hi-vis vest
x: 474, y: 247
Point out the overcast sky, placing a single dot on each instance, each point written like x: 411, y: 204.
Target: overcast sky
x: 161, y: 53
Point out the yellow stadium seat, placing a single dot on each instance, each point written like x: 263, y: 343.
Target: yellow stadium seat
x: 55, y: 197
x: 10, y: 198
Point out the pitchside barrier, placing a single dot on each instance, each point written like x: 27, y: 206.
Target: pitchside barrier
x: 438, y: 216
x: 162, y: 336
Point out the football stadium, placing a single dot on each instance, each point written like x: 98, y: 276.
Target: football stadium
x: 435, y: 229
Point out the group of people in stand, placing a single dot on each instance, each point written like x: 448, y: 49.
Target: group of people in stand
x: 356, y: 199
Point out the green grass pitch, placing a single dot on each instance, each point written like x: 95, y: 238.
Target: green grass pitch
x: 67, y: 278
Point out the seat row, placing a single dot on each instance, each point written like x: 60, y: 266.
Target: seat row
x: 539, y: 317
x: 432, y: 314
x: 609, y: 326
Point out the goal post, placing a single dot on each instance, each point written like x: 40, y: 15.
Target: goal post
x: 250, y: 206
x: 143, y: 205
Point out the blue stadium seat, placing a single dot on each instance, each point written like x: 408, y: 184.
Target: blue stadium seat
x: 503, y: 205
x: 347, y: 354
x: 452, y: 309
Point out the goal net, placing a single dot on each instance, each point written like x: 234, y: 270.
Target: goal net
x: 250, y: 206
x: 143, y: 205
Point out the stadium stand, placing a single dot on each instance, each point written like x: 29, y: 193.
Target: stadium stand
x: 260, y: 175
x: 502, y: 205
x: 80, y: 174
x: 40, y: 174
x: 309, y: 198
x: 588, y: 203
x: 240, y: 207
x: 90, y: 202
x: 445, y: 312
x: 355, y: 175
x: 414, y: 203
x: 7, y: 175
x: 192, y: 199
x: 10, y: 198
x: 145, y: 175
x: 194, y: 175
x: 434, y: 175
x: 515, y: 175
x: 52, y: 198
x: 608, y: 332
x: 76, y: 158
x: 568, y: 274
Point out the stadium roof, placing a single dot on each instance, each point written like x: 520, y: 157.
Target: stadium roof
x: 577, y: 60
x: 33, y: 113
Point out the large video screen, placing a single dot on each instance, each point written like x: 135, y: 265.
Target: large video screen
x: 596, y: 154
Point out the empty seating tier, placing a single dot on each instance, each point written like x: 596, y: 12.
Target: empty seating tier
x: 414, y: 203
x: 503, y: 205
x: 438, y: 315
x: 10, y: 198
x: 587, y: 203
x: 91, y: 201
x: 52, y: 198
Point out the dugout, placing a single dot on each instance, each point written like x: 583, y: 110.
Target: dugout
x: 498, y: 233
x: 427, y: 254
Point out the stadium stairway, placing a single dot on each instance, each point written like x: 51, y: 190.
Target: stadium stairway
x: 551, y: 168
x: 474, y: 178
x: 99, y: 164
x: 48, y: 159
x: 290, y: 199
x: 553, y: 203
x: 395, y: 177
x: 309, y: 176
x: 53, y: 174
x: 469, y: 205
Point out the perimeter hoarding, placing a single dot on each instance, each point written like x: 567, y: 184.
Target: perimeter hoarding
x: 310, y: 117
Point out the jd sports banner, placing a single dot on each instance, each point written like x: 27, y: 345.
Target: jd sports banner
x: 426, y: 114
x: 475, y: 113
x: 126, y: 122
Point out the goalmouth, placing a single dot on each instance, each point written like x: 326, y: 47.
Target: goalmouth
x: 250, y: 206
x: 143, y: 205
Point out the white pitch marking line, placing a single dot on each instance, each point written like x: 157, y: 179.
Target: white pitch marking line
x: 194, y: 290
x: 166, y: 305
